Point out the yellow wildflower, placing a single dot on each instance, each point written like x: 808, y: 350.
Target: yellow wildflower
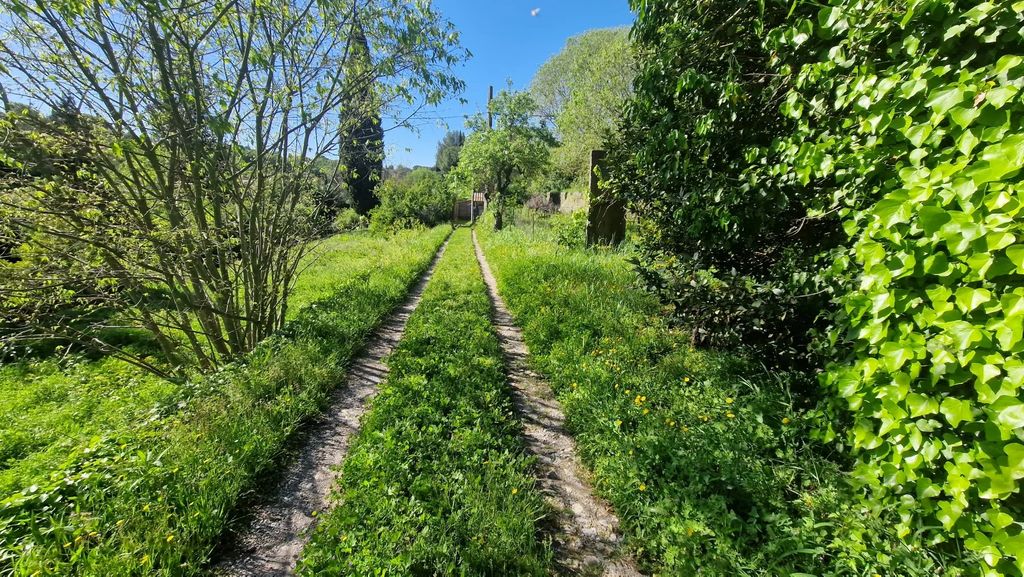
x: 728, y: 400
x: 730, y: 415
x: 642, y: 487
x: 515, y: 490
x: 170, y: 538
x: 785, y: 420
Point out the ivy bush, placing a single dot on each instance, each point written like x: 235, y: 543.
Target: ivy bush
x: 914, y: 111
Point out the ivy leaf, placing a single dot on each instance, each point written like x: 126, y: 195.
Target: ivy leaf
x: 1009, y: 412
x: 968, y: 298
x: 1015, y: 459
x: 943, y: 100
x: 956, y: 411
x: 932, y: 218
x: 1016, y: 255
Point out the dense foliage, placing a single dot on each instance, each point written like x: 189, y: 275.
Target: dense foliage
x: 581, y: 90
x: 735, y: 258
x: 362, y: 143
x: 448, y: 151
x: 437, y: 483
x: 419, y: 198
x: 913, y: 113
x: 848, y: 176
x: 148, y: 487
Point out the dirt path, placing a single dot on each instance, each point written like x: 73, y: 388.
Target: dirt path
x: 281, y: 525
x: 586, y: 538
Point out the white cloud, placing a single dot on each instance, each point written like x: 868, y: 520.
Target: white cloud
x: 535, y: 12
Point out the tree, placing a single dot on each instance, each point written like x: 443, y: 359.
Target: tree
x: 448, y: 151
x: 362, y: 152
x: 500, y: 160
x: 582, y: 89
x: 186, y: 201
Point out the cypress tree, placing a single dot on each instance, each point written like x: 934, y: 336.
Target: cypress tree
x: 362, y: 135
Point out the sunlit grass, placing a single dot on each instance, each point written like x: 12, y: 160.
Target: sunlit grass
x: 436, y: 483
x: 119, y: 473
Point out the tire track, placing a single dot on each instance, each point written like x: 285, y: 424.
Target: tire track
x: 587, y: 541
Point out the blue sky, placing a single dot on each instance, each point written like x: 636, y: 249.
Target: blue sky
x: 508, y: 43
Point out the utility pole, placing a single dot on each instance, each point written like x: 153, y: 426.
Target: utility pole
x: 490, y: 116
x: 490, y: 126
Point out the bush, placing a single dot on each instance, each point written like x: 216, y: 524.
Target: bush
x: 923, y: 148
x: 736, y: 260
x: 348, y: 219
x: 421, y: 198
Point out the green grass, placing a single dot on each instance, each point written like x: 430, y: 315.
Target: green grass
x: 704, y: 455
x: 120, y: 474
x: 436, y: 482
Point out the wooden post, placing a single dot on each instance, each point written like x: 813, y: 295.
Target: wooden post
x: 606, y: 219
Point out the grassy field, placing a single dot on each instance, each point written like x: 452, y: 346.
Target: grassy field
x: 436, y: 482
x: 108, y: 471
x: 703, y: 455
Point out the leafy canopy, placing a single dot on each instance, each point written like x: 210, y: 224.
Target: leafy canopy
x: 501, y: 160
x: 582, y: 89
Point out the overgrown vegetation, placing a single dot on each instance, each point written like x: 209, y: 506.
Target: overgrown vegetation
x: 148, y: 488
x: 838, y: 187
x: 436, y: 483
x: 705, y: 456
x: 582, y: 90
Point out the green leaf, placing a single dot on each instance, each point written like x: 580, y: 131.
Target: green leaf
x: 999, y: 159
x: 945, y: 99
x: 1009, y: 412
x: 1015, y: 459
x: 1016, y: 255
x: 932, y: 218
x: 968, y: 298
x: 921, y: 405
x: 956, y: 411
x: 918, y: 133
x: 895, y: 355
